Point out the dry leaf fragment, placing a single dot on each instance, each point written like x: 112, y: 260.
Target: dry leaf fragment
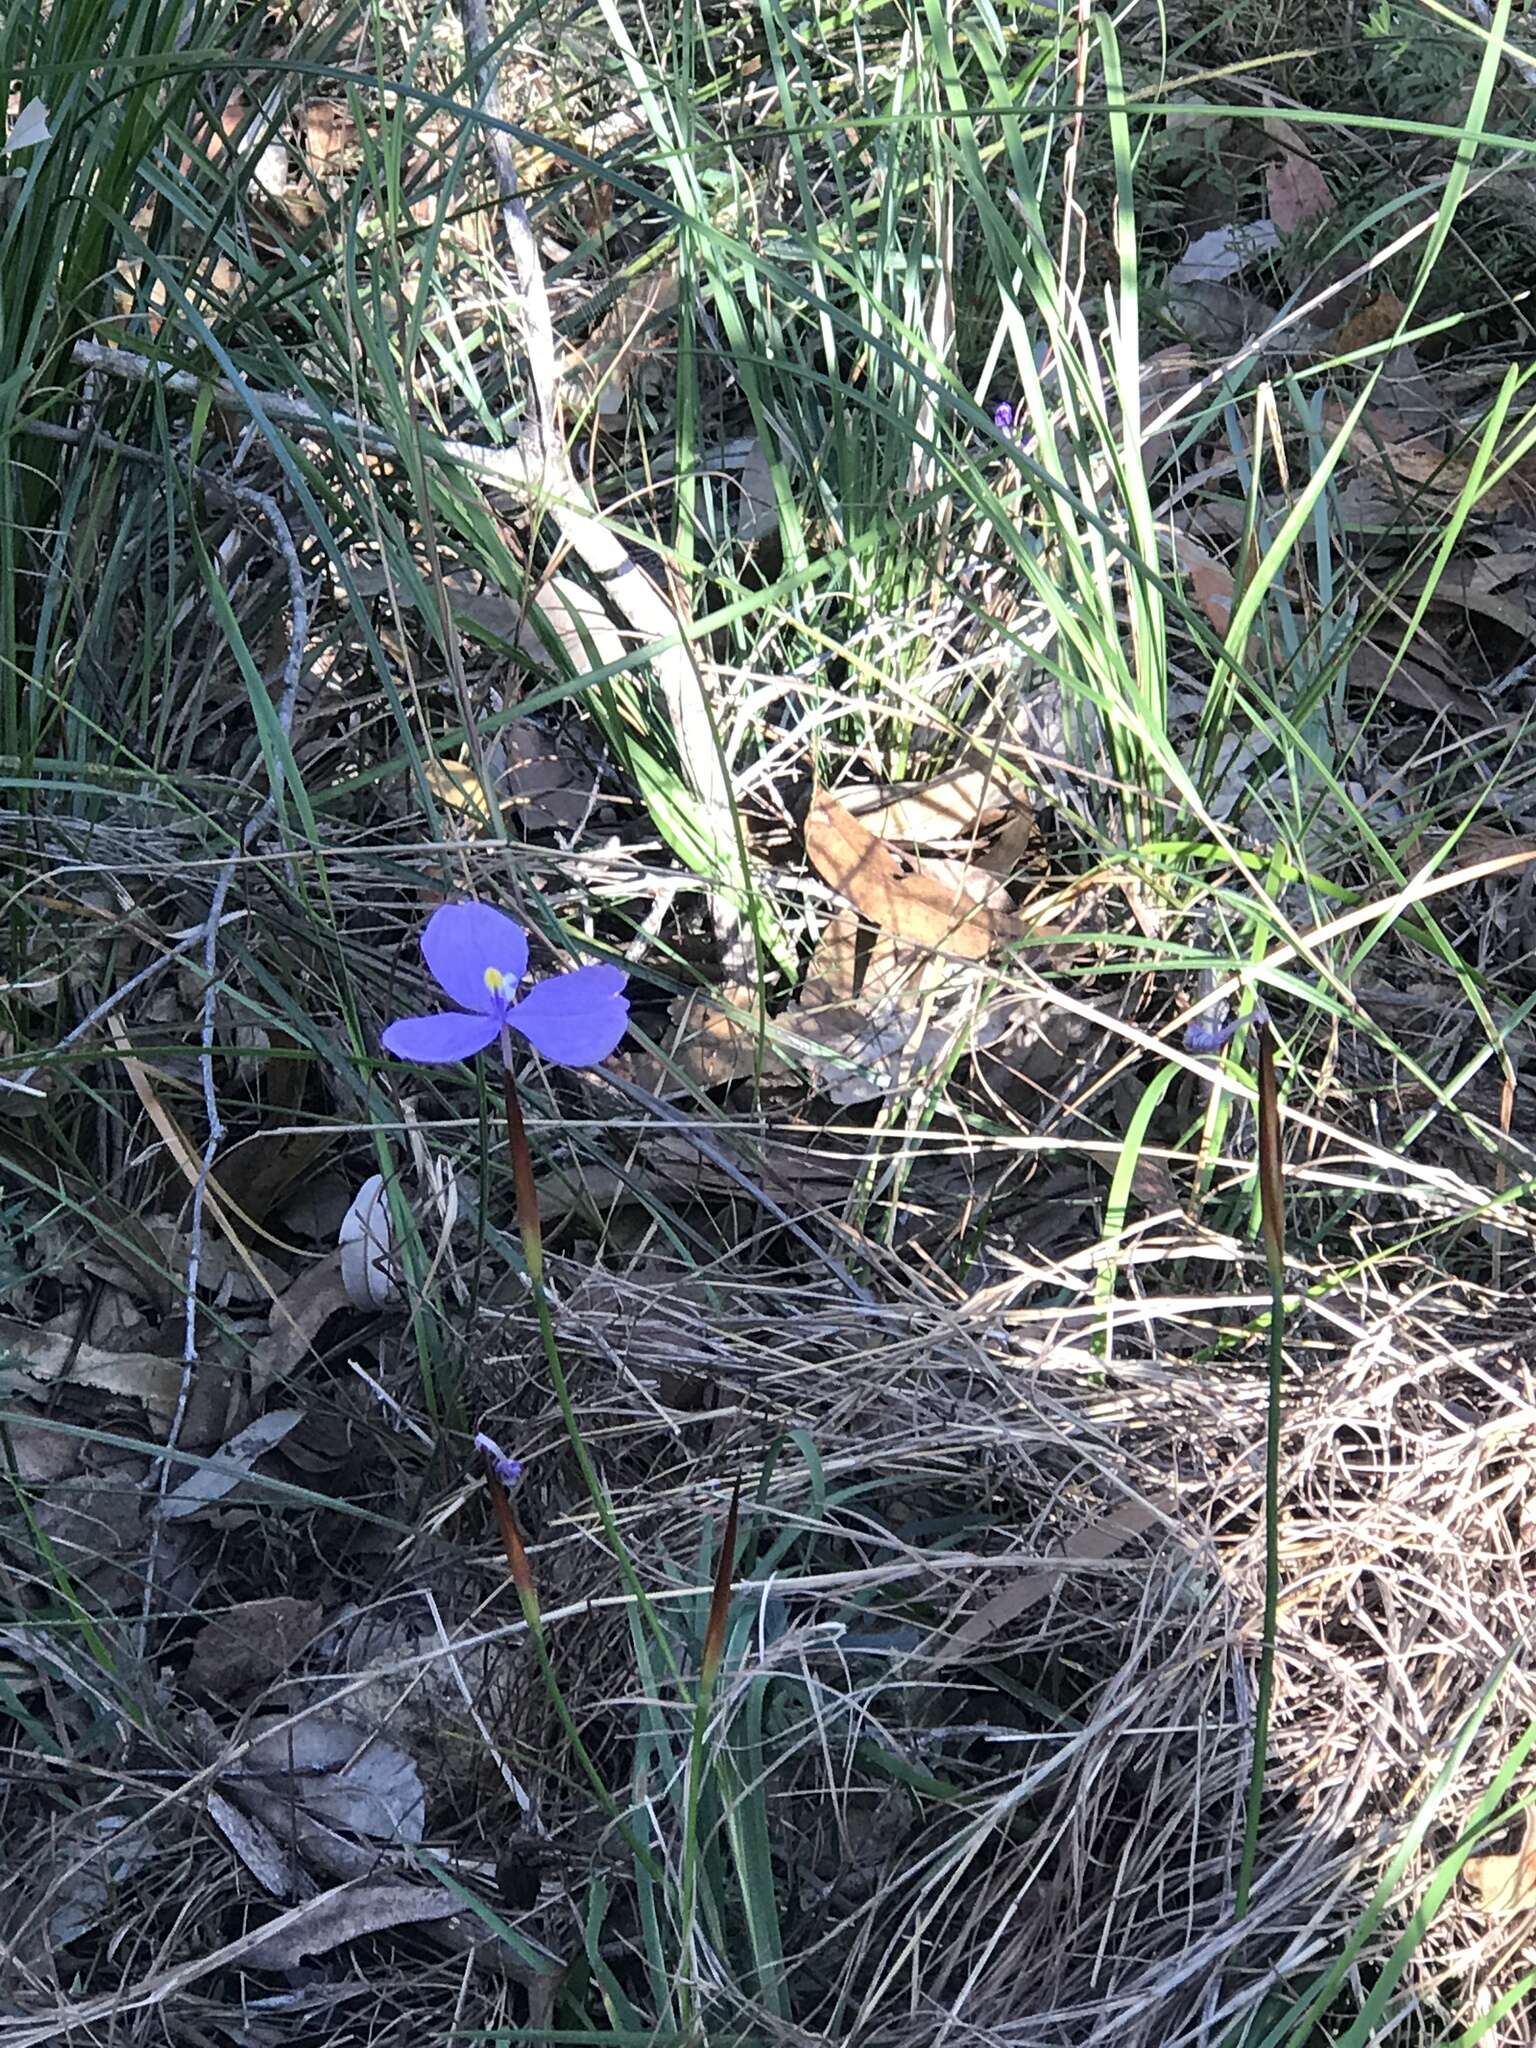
x: 340, y: 1774
x: 257, y: 1847
x: 1478, y: 587
x: 1377, y: 320
x: 545, y: 786
x: 96, y: 1530
x: 215, y: 1480
x: 43, y: 1454
x: 1298, y: 191
x: 1094, y: 1543
x: 298, y: 1315
x: 28, y: 129
x: 366, y: 1243
x: 874, y: 1014
x: 622, y: 341
x: 918, y: 904
x: 330, y: 134
x: 97, y: 1856
x: 1416, y: 465
x: 1224, y: 252
x: 251, y: 1644
x: 1507, y: 1884
x: 259, y: 1172
x: 579, y: 621
x: 1210, y: 580
x: 30, y: 1358
x: 346, y: 1914
x: 1412, y: 682
x: 949, y: 810
x: 713, y: 1043
x: 754, y: 508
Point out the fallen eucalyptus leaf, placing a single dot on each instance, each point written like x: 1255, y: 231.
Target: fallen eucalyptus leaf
x: 1224, y: 252
x: 298, y: 1316
x: 950, y: 810
x: 1298, y: 191
x: 366, y: 1243
x: 30, y: 1358
x: 257, y: 1847
x: 346, y: 1914
x: 919, y: 903
x: 214, y: 1481
x: 344, y: 1775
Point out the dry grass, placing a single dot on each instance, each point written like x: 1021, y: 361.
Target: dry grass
x: 1073, y: 1885
x: 986, y: 1351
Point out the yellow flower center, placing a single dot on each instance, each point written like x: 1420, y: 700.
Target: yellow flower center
x: 495, y: 980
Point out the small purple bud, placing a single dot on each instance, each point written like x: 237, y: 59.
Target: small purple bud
x: 1218, y: 1027
x: 1002, y: 417
x: 508, y: 1470
x: 1213, y: 1030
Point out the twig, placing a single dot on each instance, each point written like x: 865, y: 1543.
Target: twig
x: 298, y: 635
x: 268, y: 509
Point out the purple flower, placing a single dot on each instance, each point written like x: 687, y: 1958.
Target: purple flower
x: 478, y: 956
x: 508, y: 1470
x: 1002, y: 417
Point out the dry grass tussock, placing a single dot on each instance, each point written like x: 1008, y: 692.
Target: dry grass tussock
x: 990, y: 1661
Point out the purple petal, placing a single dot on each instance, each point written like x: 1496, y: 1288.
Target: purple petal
x: 574, y: 1018
x: 463, y: 939
x: 450, y: 1035
x: 508, y: 1470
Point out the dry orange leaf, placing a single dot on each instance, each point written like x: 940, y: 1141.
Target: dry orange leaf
x: 1507, y: 1884
x: 330, y: 135
x: 1210, y: 580
x: 1417, y: 464
x: 1376, y: 321
x: 952, y: 808
x: 914, y: 902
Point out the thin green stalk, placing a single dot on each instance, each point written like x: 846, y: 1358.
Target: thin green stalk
x: 528, y: 1600
x: 531, y: 1231
x: 709, y: 1671
x: 1272, y: 1216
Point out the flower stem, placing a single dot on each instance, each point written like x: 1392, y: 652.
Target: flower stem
x: 524, y: 1187
x: 526, y: 1190
x: 1272, y: 1218
x: 533, y: 1621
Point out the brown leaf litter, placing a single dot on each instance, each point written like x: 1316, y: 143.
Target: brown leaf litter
x: 251, y: 1644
